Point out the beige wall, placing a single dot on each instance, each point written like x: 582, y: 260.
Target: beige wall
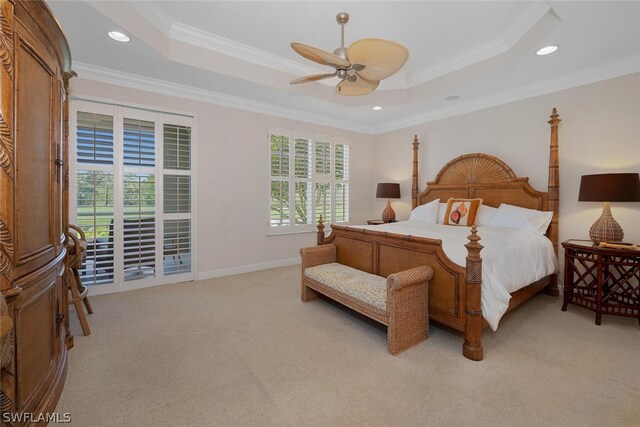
x: 232, y: 193
x: 599, y: 133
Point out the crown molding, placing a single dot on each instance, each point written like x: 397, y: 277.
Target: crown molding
x: 567, y: 81
x: 135, y: 81
x: 205, y: 40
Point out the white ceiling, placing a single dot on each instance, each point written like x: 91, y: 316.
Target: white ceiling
x: 237, y: 53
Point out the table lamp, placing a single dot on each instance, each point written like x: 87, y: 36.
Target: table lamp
x: 606, y: 188
x: 388, y: 190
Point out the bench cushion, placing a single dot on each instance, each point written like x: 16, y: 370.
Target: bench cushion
x: 364, y: 286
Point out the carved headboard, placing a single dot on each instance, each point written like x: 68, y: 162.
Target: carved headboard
x: 484, y: 176
x: 489, y: 178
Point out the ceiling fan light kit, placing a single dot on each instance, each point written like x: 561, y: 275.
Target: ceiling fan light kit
x: 360, y: 67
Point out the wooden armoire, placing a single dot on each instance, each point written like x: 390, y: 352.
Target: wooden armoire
x: 35, y: 67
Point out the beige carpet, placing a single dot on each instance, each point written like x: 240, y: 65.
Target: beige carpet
x: 243, y: 350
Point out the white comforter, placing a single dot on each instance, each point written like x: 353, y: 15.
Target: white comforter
x: 511, y: 259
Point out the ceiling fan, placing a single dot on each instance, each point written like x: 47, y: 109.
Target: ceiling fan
x: 359, y: 67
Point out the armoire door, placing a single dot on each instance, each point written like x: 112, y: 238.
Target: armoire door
x: 38, y: 327
x: 37, y: 188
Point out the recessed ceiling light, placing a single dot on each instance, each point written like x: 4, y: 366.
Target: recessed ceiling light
x: 376, y: 107
x: 546, y: 50
x: 452, y: 98
x: 118, y: 36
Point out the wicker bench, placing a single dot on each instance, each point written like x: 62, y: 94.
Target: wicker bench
x: 400, y: 301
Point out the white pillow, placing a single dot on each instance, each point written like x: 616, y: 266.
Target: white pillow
x: 442, y: 212
x: 521, y: 218
x: 485, y: 214
x: 426, y: 213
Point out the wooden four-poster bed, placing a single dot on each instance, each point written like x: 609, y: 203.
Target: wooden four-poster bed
x: 454, y: 291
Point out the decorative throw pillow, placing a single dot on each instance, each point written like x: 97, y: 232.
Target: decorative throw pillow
x: 461, y: 211
x: 427, y: 213
x: 485, y: 214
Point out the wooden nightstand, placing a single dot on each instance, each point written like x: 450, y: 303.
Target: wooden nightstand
x: 602, y: 280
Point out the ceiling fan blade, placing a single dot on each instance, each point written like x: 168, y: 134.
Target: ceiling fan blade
x: 361, y: 86
x: 320, y: 56
x: 312, y: 78
x: 381, y: 58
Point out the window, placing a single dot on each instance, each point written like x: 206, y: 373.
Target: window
x: 309, y: 177
x: 131, y: 192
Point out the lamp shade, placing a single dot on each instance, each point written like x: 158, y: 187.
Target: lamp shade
x: 610, y: 187
x: 388, y: 190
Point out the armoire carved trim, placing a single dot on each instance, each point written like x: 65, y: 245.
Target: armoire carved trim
x: 7, y: 51
x: 6, y: 251
x: 6, y: 147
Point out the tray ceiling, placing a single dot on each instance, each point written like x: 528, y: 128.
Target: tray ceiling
x: 237, y: 53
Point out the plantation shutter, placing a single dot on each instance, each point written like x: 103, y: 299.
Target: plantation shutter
x: 341, y: 183
x: 139, y: 143
x: 139, y: 226
x: 95, y: 200
x: 323, y: 181
x: 177, y: 238
x: 177, y: 193
x: 177, y: 147
x: 95, y: 194
x: 302, y: 180
x: 279, y: 206
x: 323, y: 158
x: 323, y: 201
x: 139, y: 199
x: 177, y: 246
x: 94, y: 138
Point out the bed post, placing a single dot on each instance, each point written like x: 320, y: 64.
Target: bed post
x: 414, y: 178
x: 320, y: 233
x: 472, y: 348
x: 553, y: 194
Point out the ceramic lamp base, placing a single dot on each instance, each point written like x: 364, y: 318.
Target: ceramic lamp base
x: 388, y: 214
x: 606, y: 229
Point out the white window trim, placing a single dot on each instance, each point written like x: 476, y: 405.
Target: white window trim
x: 294, y: 228
x: 159, y: 117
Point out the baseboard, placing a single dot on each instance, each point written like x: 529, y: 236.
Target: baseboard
x: 221, y: 272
